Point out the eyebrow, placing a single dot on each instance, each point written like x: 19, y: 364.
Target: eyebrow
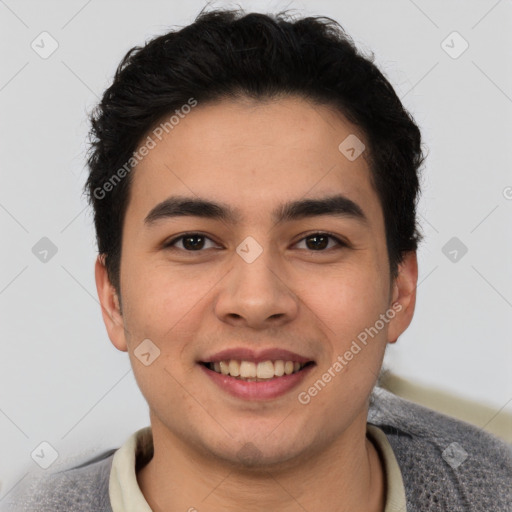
x: 180, y: 206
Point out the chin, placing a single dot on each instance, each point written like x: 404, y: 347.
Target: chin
x: 259, y: 453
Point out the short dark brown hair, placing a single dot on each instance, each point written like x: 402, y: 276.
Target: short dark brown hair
x: 228, y: 53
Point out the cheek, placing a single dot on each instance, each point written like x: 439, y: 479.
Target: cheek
x: 348, y: 300
x: 160, y: 384
x: 169, y: 308
x: 162, y: 307
x: 350, y: 304
x: 157, y: 297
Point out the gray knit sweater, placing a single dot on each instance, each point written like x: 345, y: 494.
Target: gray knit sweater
x: 447, y: 465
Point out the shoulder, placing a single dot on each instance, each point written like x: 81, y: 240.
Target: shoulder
x: 82, y: 488
x: 446, y: 463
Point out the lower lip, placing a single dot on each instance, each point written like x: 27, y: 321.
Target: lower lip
x: 263, y: 390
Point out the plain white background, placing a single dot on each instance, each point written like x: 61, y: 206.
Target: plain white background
x: 61, y: 380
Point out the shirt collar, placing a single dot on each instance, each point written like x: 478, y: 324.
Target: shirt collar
x: 126, y: 496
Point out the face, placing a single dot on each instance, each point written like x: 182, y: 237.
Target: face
x: 266, y: 282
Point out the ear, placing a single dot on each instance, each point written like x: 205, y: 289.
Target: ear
x: 110, y: 307
x: 403, y: 298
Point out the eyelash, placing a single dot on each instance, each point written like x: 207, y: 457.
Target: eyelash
x: 170, y: 243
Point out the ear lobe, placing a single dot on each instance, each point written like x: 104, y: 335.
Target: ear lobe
x: 404, y: 296
x: 110, y: 306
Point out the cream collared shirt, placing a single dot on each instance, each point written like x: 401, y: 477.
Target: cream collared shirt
x: 126, y: 496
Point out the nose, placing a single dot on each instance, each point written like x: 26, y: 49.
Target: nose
x: 256, y: 294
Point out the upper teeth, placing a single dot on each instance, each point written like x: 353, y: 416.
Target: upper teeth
x: 252, y: 371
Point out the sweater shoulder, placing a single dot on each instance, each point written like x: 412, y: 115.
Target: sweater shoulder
x: 82, y: 488
x: 446, y: 463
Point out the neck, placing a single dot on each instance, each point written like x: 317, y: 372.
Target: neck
x: 346, y: 475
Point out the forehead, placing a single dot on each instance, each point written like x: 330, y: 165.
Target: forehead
x: 254, y: 156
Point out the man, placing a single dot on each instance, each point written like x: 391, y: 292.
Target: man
x: 254, y: 181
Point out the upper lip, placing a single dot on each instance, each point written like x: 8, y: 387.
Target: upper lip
x: 257, y: 356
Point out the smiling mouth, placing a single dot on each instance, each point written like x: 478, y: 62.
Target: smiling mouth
x: 250, y: 371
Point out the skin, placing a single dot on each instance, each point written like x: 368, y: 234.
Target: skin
x: 255, y: 156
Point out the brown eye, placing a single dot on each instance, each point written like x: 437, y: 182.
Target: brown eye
x: 319, y: 241
x: 191, y: 242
